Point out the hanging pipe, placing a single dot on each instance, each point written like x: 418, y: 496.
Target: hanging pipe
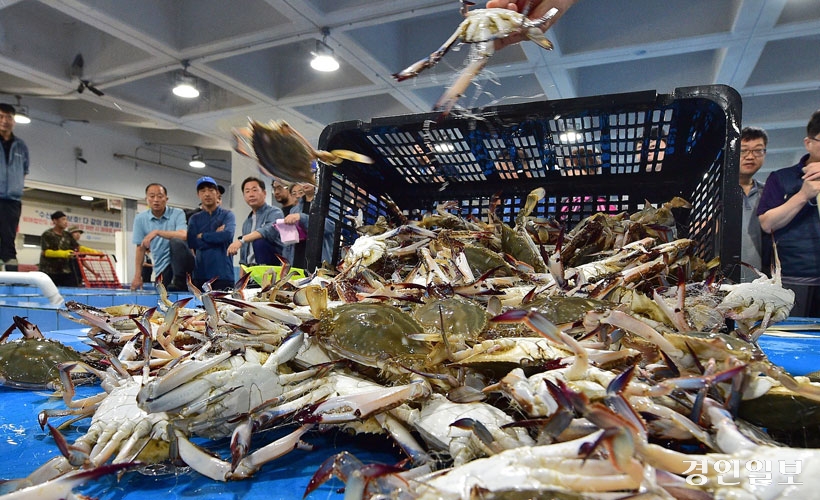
x: 37, y: 278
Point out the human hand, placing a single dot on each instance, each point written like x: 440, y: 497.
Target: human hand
x: 220, y: 228
x: 309, y: 190
x: 234, y: 247
x: 136, y: 282
x: 291, y: 219
x: 811, y: 181
x: 538, y: 9
x: 146, y: 242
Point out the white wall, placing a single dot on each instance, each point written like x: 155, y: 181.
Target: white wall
x: 54, y: 167
x: 53, y: 162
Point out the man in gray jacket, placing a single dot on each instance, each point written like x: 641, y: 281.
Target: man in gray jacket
x: 259, y: 243
x: 13, y: 170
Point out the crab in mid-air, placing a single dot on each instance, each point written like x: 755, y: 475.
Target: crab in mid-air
x: 481, y: 28
x: 283, y: 152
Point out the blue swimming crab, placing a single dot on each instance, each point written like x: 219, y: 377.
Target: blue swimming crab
x: 283, y: 152
x: 31, y: 362
x: 481, y: 28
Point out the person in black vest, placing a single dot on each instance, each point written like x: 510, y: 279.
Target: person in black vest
x: 788, y: 210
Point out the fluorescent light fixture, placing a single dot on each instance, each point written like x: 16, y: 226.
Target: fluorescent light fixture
x: 323, y: 59
x: 85, y: 197
x: 444, y: 147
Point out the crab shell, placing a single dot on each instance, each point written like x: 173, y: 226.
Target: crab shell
x: 31, y: 364
x: 285, y: 153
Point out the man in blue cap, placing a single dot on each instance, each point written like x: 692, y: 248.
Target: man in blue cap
x: 210, y: 232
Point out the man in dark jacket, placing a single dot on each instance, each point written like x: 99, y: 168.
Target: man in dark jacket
x: 210, y: 232
x: 788, y: 210
x: 14, y: 167
x: 259, y: 243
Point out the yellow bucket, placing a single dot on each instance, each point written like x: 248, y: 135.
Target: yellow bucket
x: 258, y: 273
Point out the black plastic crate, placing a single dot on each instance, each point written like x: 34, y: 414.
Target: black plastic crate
x: 422, y: 160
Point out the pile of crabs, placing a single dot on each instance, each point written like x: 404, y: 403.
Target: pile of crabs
x: 593, y: 363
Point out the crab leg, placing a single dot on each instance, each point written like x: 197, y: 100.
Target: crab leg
x: 622, y: 320
x: 428, y: 62
x: 220, y: 470
x: 265, y: 311
x: 542, y: 326
x: 362, y: 404
x: 336, y: 156
x: 61, y: 487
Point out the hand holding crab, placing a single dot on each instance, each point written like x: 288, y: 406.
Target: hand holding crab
x: 482, y: 28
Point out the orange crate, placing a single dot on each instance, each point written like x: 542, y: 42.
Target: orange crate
x: 97, y: 271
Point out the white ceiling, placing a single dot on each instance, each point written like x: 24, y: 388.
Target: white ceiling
x: 251, y: 59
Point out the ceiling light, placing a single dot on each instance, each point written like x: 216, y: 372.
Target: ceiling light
x: 186, y: 87
x: 21, y: 116
x: 323, y: 59
x: 21, y: 113
x: 85, y: 197
x: 196, y: 161
x: 186, y: 84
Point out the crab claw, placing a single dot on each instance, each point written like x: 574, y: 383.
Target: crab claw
x: 481, y: 432
x: 363, y: 404
x: 619, y: 433
x: 619, y: 444
x: 75, y: 456
x: 691, y: 383
x: 219, y: 470
x: 534, y: 320
x: 358, y: 477
x: 241, y: 441
x: 538, y: 323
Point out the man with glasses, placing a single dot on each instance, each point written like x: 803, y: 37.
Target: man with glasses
x: 753, y: 142
x: 788, y: 210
